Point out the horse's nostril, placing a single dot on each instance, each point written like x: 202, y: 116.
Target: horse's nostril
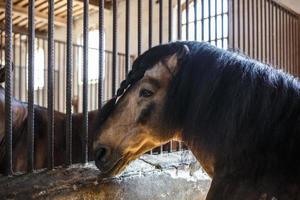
x: 102, y: 154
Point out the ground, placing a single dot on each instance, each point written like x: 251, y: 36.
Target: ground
x: 167, y: 176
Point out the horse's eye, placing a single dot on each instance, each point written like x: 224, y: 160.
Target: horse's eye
x: 145, y: 93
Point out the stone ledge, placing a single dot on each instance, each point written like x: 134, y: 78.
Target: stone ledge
x: 165, y: 176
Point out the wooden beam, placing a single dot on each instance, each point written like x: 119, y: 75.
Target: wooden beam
x: 95, y: 3
x: 38, y: 15
x: 22, y: 30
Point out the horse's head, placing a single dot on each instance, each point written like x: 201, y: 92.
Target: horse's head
x: 132, y: 124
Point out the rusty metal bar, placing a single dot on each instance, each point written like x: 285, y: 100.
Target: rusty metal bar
x: 244, y: 26
x: 248, y: 26
x: 115, y: 45
x: 209, y: 21
x: 8, y: 86
x: 202, y: 20
x: 160, y: 21
x: 187, y: 3
x: 150, y: 23
x: 101, y: 53
x: 85, y: 80
x: 30, y: 126
x: 50, y: 84
x: 170, y: 20
x: 195, y: 19
x: 69, y: 67
x: 238, y: 25
x: 139, y: 25
x: 179, y: 20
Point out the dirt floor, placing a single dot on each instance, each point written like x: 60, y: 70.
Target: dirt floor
x: 167, y: 176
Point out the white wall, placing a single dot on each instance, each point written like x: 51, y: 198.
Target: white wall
x: 290, y: 4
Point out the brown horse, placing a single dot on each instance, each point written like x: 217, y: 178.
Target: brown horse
x: 19, y: 111
x: 240, y: 118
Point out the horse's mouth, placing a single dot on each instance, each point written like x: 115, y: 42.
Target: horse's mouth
x: 111, y: 169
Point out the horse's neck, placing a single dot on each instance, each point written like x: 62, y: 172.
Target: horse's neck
x: 206, y: 159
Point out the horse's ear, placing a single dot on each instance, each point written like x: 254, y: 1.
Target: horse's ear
x: 174, y: 61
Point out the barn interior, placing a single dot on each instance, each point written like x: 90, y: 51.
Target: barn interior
x: 118, y: 32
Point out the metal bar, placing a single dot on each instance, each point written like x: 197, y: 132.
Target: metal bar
x: 101, y: 51
x: 139, y: 11
x: 150, y: 24
x: 127, y: 35
x: 8, y: 86
x: 273, y: 34
x: 69, y: 66
x: 20, y: 69
x: 50, y: 127
x: 85, y: 80
x: 275, y: 47
x: 280, y: 38
x: 270, y: 31
x: 179, y: 20
x: 202, y: 19
x: 114, y: 54
x: 160, y: 21
x: 222, y: 22
x: 233, y: 23
x: 195, y: 19
x: 30, y: 126
x: 257, y: 30
x: 261, y: 31
x: 238, y: 25
x: 244, y: 27
x: 209, y: 21
x: 187, y: 3
x: 216, y: 23
x: 170, y: 20
x: 266, y: 35
x: 253, y: 30
x: 248, y: 26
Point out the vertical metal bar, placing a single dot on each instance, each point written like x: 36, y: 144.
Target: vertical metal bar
x: 69, y: 66
x: 275, y: 47
x: 238, y: 24
x: 195, y: 19
x: 257, y: 30
x: 187, y: 3
x: 216, y: 23
x: 266, y: 35
x: 101, y: 52
x: 280, y: 39
x: 150, y: 23
x: 20, y: 69
x: 160, y: 21
x: 271, y: 31
x: 30, y: 126
x: 50, y: 84
x: 222, y: 22
x: 253, y: 29
x: 209, y: 21
x: 170, y: 20
x: 248, y: 26
x: 127, y: 34
x: 261, y: 31
x: 8, y: 86
x: 139, y: 11
x: 179, y: 20
x: 202, y: 20
x: 244, y: 27
x: 114, y: 55
x: 85, y: 79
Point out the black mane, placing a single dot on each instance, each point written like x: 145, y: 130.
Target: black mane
x: 244, y: 112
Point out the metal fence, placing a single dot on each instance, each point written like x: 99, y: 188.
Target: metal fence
x: 242, y: 24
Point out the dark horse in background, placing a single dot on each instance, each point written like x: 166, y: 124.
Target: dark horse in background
x: 19, y: 110
x: 239, y: 117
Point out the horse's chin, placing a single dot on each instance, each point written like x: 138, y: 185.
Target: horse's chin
x: 113, y: 170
